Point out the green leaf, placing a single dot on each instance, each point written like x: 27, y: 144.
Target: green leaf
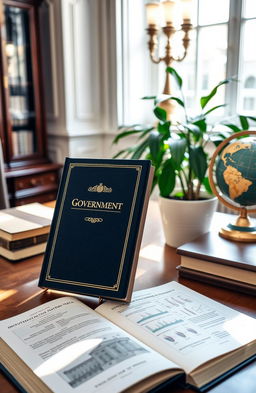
x: 125, y: 152
x: 197, y: 118
x: 176, y: 76
x: 214, y: 108
x: 179, y: 194
x: 217, y: 141
x: 145, y: 132
x: 194, y: 130
x: 201, y: 124
x: 251, y: 118
x: 161, y: 98
x: 191, y: 127
x: 198, y: 162
x: 244, y: 123
x: 223, y: 135
x: 164, y: 97
x: 177, y: 149
x: 139, y: 150
x: 164, y: 129
x: 207, y: 186
x: 233, y: 127
x: 154, y: 145
x: 119, y: 153
x: 160, y: 113
x: 127, y: 133
x: 204, y: 100
x: 149, y: 98
x: 166, y: 180
x: 179, y: 101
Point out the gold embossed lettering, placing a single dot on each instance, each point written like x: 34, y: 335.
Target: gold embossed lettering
x: 74, y: 202
x: 80, y: 203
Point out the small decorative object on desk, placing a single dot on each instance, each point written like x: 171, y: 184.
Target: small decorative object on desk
x: 235, y: 178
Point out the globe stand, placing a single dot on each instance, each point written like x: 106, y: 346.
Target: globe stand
x: 242, y: 230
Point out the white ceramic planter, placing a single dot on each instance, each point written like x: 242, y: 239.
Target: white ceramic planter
x: 185, y: 220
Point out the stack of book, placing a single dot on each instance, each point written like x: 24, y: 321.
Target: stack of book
x: 24, y: 230
x: 218, y: 261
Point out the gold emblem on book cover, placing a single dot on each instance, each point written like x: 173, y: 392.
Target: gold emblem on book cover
x: 100, y: 188
x: 93, y: 220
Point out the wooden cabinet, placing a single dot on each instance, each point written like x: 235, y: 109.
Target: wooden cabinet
x: 33, y: 184
x: 30, y: 175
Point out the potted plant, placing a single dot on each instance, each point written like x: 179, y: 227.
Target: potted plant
x: 179, y: 153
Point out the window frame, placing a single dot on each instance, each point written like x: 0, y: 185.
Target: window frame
x: 235, y: 25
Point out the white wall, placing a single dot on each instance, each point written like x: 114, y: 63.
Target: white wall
x: 79, y: 70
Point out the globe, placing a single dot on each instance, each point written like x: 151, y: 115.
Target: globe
x: 236, y: 172
x: 235, y: 176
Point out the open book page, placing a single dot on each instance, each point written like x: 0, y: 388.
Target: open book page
x: 37, y: 209
x: 181, y: 324
x: 70, y: 346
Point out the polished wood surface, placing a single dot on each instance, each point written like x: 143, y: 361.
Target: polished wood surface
x: 157, y: 264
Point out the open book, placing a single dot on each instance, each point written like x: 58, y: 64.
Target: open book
x: 163, y: 333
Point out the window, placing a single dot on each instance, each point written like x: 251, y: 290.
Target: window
x: 249, y: 103
x: 250, y: 82
x: 205, y: 82
x: 247, y: 67
x: 221, y: 47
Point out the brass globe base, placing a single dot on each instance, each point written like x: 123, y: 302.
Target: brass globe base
x: 237, y: 236
x: 241, y: 231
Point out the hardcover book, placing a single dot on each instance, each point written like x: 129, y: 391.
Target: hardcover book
x: 96, y: 232
x: 216, y: 260
x: 217, y: 280
x: 165, y: 334
x: 23, y: 222
x: 15, y: 245
x: 24, y: 230
x: 22, y: 253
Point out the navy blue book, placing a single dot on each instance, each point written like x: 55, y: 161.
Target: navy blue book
x: 97, y: 227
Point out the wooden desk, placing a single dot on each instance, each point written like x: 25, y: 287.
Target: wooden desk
x: 157, y: 265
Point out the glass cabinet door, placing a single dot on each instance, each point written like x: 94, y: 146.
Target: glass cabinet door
x: 21, y: 103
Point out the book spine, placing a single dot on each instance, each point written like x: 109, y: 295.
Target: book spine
x: 211, y: 279
x: 23, y: 243
x: 12, y: 379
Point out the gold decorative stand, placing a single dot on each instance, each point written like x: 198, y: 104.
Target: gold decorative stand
x: 168, y: 30
x: 242, y: 229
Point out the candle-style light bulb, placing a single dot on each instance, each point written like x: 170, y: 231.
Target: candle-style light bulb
x: 168, y: 7
x: 186, y: 9
x: 153, y: 13
x: 9, y: 49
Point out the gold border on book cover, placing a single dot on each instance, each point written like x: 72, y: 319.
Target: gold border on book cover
x: 116, y: 285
